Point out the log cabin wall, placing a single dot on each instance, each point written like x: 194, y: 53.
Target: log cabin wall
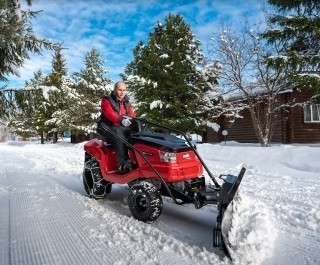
x: 290, y: 126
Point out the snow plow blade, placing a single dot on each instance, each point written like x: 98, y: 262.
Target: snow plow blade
x: 228, y: 190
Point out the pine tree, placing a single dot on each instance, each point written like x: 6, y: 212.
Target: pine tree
x: 17, y: 39
x: 58, y: 97
x: 59, y: 69
x: 90, y: 84
x: 32, y: 101
x: 7, y: 105
x: 296, y: 29
x: 93, y: 80
x: 165, y: 78
x: 42, y: 97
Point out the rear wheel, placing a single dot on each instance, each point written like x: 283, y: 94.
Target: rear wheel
x: 93, y: 183
x: 144, y: 201
x: 87, y: 182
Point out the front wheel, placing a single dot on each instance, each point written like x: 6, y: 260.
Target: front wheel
x: 144, y: 201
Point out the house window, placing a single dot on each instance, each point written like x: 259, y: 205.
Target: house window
x: 311, y: 113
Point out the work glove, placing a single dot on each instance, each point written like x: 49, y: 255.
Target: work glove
x: 125, y: 121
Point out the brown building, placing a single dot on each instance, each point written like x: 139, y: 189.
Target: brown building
x: 298, y: 124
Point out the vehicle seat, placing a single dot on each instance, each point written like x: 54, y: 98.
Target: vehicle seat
x: 102, y: 132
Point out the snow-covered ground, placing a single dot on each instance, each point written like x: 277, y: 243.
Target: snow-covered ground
x: 47, y: 219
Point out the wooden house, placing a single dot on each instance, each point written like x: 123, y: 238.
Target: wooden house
x: 298, y: 124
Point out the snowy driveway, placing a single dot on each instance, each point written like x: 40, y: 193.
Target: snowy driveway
x: 46, y: 219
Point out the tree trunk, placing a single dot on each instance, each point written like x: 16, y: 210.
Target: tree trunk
x: 205, y: 135
x: 55, y: 137
x: 264, y: 123
x: 73, y: 138
x: 42, y: 138
x: 258, y: 129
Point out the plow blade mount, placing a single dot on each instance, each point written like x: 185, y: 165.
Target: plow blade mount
x: 230, y: 187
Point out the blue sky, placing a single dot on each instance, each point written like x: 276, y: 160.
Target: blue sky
x: 115, y: 27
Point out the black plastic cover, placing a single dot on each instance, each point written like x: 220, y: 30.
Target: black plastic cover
x: 168, y: 141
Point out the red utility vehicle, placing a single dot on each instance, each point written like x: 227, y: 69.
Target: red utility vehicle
x: 165, y: 166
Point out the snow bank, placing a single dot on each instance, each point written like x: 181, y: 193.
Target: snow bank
x: 249, y: 228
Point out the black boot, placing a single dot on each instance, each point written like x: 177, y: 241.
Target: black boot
x: 126, y: 166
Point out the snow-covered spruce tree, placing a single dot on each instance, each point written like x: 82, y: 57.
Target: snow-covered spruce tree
x: 67, y: 118
x: 166, y: 77
x: 59, y: 69
x: 45, y: 95
x: 17, y: 39
x: 247, y: 81
x: 31, y: 114
x: 58, y: 98
x: 295, y: 28
x: 90, y: 84
x: 7, y: 105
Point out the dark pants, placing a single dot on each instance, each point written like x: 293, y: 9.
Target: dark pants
x: 120, y: 147
x: 123, y: 132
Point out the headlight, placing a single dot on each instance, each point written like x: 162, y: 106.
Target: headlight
x: 168, y: 157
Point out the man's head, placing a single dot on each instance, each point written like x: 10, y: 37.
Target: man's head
x: 120, y: 89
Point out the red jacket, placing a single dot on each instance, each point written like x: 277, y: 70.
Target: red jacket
x: 113, y: 109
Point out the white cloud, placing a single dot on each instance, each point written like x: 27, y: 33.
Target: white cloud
x: 116, y: 27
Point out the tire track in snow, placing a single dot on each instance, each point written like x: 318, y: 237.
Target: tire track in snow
x: 5, y: 215
x: 41, y: 232
x: 147, y: 245
x: 144, y: 241
x: 118, y: 242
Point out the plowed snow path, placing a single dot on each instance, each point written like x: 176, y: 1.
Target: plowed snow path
x: 46, y: 219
